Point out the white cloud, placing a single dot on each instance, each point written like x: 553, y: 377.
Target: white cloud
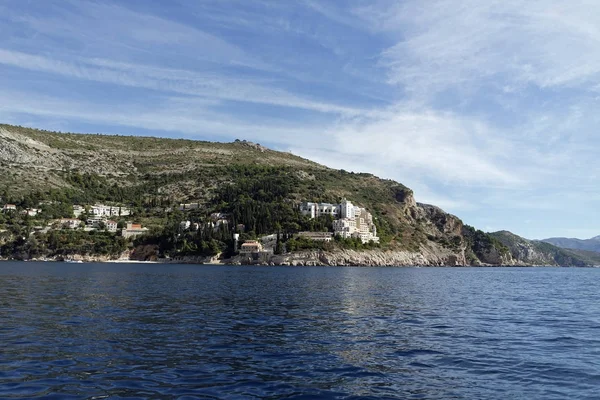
x: 104, y: 29
x: 429, y: 143
x: 211, y: 85
x: 448, y: 44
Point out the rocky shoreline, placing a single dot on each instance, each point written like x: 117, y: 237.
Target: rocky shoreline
x: 341, y: 258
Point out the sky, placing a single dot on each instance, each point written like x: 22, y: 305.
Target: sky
x: 487, y: 109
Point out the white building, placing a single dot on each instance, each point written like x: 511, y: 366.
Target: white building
x: 32, y: 212
x: 315, y: 210
x: 109, y: 211
x: 347, y: 209
x: 353, y: 221
x: 111, y: 226
x: 344, y: 227
x: 250, y: 247
x: 9, y: 208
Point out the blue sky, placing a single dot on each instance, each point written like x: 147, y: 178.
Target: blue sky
x: 488, y: 109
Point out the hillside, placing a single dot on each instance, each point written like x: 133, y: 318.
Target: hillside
x: 260, y: 189
x: 592, y: 244
x: 531, y: 252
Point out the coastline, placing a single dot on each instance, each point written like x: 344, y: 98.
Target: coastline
x: 373, y: 258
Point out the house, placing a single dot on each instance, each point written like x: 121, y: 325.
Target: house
x: 78, y: 210
x: 9, y: 208
x: 250, y: 247
x: 94, y: 221
x: 317, y: 236
x: 133, y: 230
x: 102, y: 210
x: 111, y: 226
x: 70, y: 223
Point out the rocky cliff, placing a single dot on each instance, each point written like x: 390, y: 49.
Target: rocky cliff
x: 529, y: 252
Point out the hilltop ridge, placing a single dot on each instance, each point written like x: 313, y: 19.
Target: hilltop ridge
x: 592, y: 244
x: 257, y: 186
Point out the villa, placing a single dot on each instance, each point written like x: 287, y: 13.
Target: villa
x: 133, y: 230
x: 251, y: 247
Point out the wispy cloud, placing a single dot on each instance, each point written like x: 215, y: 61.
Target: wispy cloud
x: 214, y: 86
x: 178, y: 115
x: 425, y: 143
x: 449, y: 44
x: 106, y: 28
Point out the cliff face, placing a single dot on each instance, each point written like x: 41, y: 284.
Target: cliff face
x: 370, y: 258
x: 529, y: 252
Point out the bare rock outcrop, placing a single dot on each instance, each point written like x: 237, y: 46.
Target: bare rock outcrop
x: 369, y: 258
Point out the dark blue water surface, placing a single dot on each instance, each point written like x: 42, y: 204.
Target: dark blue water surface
x: 168, y: 331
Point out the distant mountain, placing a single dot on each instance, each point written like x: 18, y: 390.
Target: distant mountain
x: 533, y: 252
x: 592, y: 244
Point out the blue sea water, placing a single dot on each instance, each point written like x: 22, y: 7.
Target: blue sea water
x: 212, y: 332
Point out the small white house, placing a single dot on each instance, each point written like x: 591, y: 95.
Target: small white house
x: 111, y: 226
x: 9, y: 208
x: 32, y: 212
x: 250, y: 247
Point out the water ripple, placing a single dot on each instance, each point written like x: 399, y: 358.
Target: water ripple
x: 188, y: 332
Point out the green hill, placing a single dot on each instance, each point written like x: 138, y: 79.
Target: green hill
x: 534, y: 252
x: 260, y: 189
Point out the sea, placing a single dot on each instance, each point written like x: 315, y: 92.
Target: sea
x: 152, y: 331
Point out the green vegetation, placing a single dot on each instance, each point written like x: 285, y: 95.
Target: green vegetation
x: 63, y: 243
x: 483, y: 245
x: 258, y: 188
